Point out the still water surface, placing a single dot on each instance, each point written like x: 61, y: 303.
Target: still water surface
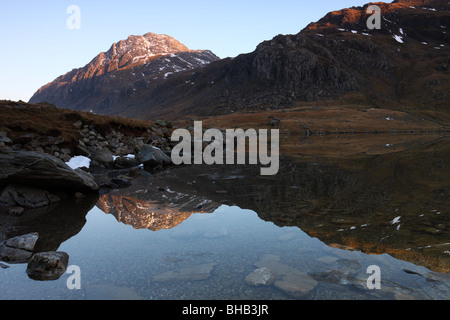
x: 197, y: 233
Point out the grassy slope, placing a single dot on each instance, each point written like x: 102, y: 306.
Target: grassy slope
x: 18, y: 118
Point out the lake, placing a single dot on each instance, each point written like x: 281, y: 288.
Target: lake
x: 313, y: 231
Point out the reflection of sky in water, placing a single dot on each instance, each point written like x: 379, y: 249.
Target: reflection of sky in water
x: 118, y: 261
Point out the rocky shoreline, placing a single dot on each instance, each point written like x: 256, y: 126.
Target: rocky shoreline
x: 36, y: 172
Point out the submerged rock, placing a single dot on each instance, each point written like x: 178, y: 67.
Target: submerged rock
x: 107, y: 292
x: 196, y: 273
x: 292, y: 282
x: 261, y: 277
x: 46, y: 266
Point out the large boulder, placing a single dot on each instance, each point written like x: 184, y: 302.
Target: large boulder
x: 152, y: 157
x: 47, y: 266
x: 43, y: 171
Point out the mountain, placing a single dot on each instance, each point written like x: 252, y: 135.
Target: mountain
x: 127, y: 68
x: 338, y: 60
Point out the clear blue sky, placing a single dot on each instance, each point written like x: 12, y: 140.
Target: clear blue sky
x: 36, y: 46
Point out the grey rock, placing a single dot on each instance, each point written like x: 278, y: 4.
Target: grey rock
x: 34, y: 143
x: 153, y: 157
x: 124, y: 162
x: 78, y: 124
x: 18, y: 249
x: 23, y: 139
x: 292, y: 282
x: 111, y: 293
x: 103, y: 156
x: 261, y: 277
x: 6, y: 140
x: 42, y: 171
x: 45, y: 266
x: 196, y: 273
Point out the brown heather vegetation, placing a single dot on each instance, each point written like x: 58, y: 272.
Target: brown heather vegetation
x: 18, y: 118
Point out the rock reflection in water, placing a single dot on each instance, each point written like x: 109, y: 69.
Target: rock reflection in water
x: 393, y: 203
x: 55, y: 224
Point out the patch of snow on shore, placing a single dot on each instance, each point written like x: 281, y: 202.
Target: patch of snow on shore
x: 79, y: 162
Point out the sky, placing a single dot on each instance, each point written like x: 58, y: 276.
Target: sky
x: 37, y: 46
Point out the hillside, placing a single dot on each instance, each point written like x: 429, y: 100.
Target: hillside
x: 403, y: 66
x: 65, y: 133
x: 335, y: 61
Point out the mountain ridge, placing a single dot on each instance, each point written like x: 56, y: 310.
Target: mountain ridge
x: 403, y: 66
x: 148, y: 57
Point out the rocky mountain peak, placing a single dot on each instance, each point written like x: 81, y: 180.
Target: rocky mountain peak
x: 137, y: 50
x: 129, y: 66
x: 134, y: 51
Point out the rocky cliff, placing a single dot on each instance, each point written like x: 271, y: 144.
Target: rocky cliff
x: 404, y: 65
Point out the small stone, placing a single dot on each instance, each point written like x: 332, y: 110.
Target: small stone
x: 103, y: 156
x: 107, y: 292
x: 293, y: 282
x: 23, y: 139
x: 78, y: 124
x: 6, y: 140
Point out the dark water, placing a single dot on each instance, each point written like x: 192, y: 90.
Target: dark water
x: 197, y: 232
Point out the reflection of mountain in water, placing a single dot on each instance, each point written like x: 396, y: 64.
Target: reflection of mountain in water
x: 392, y: 203
x: 165, y: 210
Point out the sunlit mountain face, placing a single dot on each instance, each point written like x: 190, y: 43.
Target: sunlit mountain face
x: 338, y: 60
x: 127, y: 69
